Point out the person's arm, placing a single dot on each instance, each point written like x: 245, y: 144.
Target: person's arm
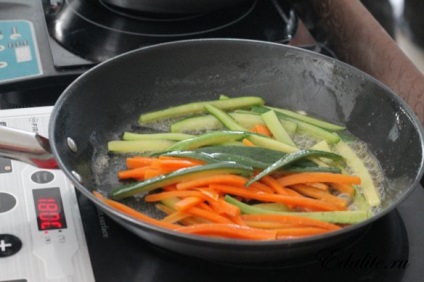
x: 358, y: 39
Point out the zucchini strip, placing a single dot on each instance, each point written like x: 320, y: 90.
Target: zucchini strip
x: 138, y: 146
x: 340, y: 217
x: 130, y: 136
x: 199, y: 107
x: 260, y: 141
x: 357, y: 166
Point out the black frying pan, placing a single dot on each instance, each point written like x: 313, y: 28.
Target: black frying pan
x: 107, y: 100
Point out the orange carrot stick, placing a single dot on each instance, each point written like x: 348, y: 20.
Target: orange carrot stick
x: 259, y: 187
x: 229, y: 179
x: 224, y: 208
x: 275, y: 198
x: 300, y: 231
x: 172, y: 194
x: 344, y: 188
x: 273, y: 183
x: 229, y: 231
x: 176, y: 217
x: 134, y: 162
x: 134, y: 173
x: 134, y: 213
x: 151, y: 172
x: 267, y: 224
x: 187, y: 203
x: 208, y: 215
x: 247, y: 142
x: 319, y: 194
x: 320, y: 185
x: 168, y: 165
x: 208, y: 192
x: 290, y: 219
x: 308, y: 177
x: 262, y: 129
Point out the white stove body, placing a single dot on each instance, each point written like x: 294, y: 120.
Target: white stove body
x: 41, y: 233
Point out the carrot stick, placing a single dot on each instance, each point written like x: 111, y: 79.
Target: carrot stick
x: 134, y: 213
x: 229, y: 231
x: 288, y: 200
x: 322, y: 195
x: 344, y: 188
x: 247, y: 142
x: 172, y: 194
x: 224, y: 208
x: 290, y: 219
x: 308, y: 177
x: 320, y: 185
x: 208, y: 215
x: 208, y: 192
x: 176, y: 217
x: 267, y: 224
x: 168, y: 165
x: 273, y: 183
x: 229, y: 179
x: 187, y: 203
x: 135, y: 173
x: 259, y: 187
x: 262, y: 129
x: 134, y: 162
x: 300, y: 231
x: 151, y: 172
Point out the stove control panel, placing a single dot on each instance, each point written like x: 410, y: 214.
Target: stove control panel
x: 41, y: 233
x: 19, y: 56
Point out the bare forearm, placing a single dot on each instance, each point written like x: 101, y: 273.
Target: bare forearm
x: 359, y: 40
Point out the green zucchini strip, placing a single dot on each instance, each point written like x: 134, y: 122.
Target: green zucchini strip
x: 307, y: 128
x: 131, y: 136
x: 209, y: 122
x: 338, y: 217
x: 260, y: 141
x: 308, y: 119
x: 199, y: 107
x: 210, y: 138
x: 358, y: 167
x: 277, y: 129
x: 138, y: 146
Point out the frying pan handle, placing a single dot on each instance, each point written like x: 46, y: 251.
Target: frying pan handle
x: 26, y: 147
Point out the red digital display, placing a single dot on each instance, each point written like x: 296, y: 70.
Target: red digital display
x: 49, y: 209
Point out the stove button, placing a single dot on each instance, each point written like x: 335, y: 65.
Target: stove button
x: 7, y: 202
x: 5, y: 165
x: 9, y: 245
x: 42, y: 177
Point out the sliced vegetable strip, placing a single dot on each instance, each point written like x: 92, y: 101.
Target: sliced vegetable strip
x: 289, y: 200
x: 339, y: 217
x: 290, y: 219
x: 229, y: 231
x: 134, y: 213
x: 198, y: 107
x: 320, y: 194
x: 308, y: 177
x: 229, y: 179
